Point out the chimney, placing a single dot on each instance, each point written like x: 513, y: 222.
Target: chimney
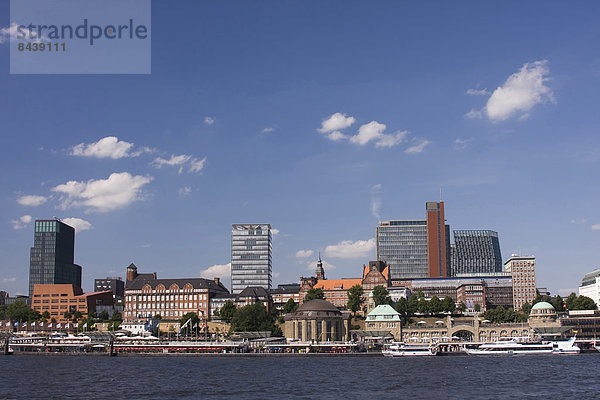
x: 217, y: 281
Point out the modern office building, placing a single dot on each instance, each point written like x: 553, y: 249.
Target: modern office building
x: 590, y: 286
x: 475, y: 252
x: 52, y: 255
x: 416, y: 248
x: 522, y: 270
x: 115, y: 285
x: 250, y: 256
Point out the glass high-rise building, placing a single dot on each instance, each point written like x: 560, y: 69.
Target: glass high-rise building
x: 416, y: 248
x: 250, y: 256
x: 52, y: 255
x: 476, y: 251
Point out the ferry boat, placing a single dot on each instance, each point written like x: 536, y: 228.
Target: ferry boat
x: 511, y: 347
x: 399, y: 349
x: 568, y: 347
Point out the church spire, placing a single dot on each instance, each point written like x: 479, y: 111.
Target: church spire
x: 320, y: 272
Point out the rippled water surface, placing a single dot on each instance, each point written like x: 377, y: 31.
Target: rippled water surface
x: 302, y: 377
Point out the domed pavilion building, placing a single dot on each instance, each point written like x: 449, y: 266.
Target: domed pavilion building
x: 319, y: 321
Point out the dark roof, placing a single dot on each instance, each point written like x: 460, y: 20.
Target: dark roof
x: 315, y: 309
x: 317, y: 305
x: 198, y: 283
x: 283, y: 290
x: 255, y: 292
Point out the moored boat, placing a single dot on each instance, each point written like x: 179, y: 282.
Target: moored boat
x: 511, y: 347
x: 399, y: 349
x: 565, y: 347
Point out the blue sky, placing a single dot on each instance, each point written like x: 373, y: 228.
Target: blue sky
x: 275, y: 111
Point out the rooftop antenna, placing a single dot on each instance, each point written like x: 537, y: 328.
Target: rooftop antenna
x: 440, y: 193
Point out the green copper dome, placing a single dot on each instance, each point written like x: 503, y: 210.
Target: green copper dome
x: 542, y: 305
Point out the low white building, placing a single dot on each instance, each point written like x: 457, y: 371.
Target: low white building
x: 590, y: 286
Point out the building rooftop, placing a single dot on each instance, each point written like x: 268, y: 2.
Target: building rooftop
x: 337, y: 284
x: 383, y: 312
x: 542, y: 305
x: 590, y: 277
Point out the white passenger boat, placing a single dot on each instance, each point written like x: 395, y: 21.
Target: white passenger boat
x: 511, y: 347
x: 568, y: 347
x: 398, y: 349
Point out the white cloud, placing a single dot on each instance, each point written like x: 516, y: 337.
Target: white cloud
x: 373, y: 131
x: 521, y: 92
x: 274, y: 231
x: 473, y: 114
x: 596, y: 227
x: 8, y: 280
x: 184, y: 191
x: 376, y: 207
x: 108, y: 147
x: 79, y: 224
x: 209, y: 120
x: 197, y: 165
x: 31, y: 200
x: 146, y: 246
x: 579, y: 221
x: 336, y: 136
x: 304, y: 253
x: 376, y: 188
x: 193, y: 164
x: 22, y: 222
x: 312, y: 265
x: 173, y: 161
x: 461, y: 143
x: 350, y: 249
x: 267, y: 130
x: 117, y: 191
x: 418, y: 148
x: 336, y: 122
x: 478, y: 92
x: 217, y: 271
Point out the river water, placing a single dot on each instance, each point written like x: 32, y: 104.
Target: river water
x: 299, y: 377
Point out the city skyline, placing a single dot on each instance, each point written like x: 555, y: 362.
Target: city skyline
x: 322, y: 120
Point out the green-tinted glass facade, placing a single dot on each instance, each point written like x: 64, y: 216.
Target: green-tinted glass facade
x: 52, y: 255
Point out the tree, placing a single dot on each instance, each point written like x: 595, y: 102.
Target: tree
x: 45, y: 316
x: 423, y: 306
x: 355, y: 298
x: 67, y: 315
x: 558, y: 303
x: 526, y: 308
x: 227, y: 311
x: 117, y: 317
x: 570, y: 301
x: 290, y: 306
x: 77, y: 316
x: 585, y: 303
x: 254, y: 318
x: 381, y: 295
x: 104, y: 316
x: 2, y: 312
x: 314, y: 293
x: 18, y: 311
x: 413, y: 305
x: 435, y: 305
x: 157, y: 316
x: 462, y: 307
x: 448, y: 305
x: 402, y: 307
x: 477, y: 307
